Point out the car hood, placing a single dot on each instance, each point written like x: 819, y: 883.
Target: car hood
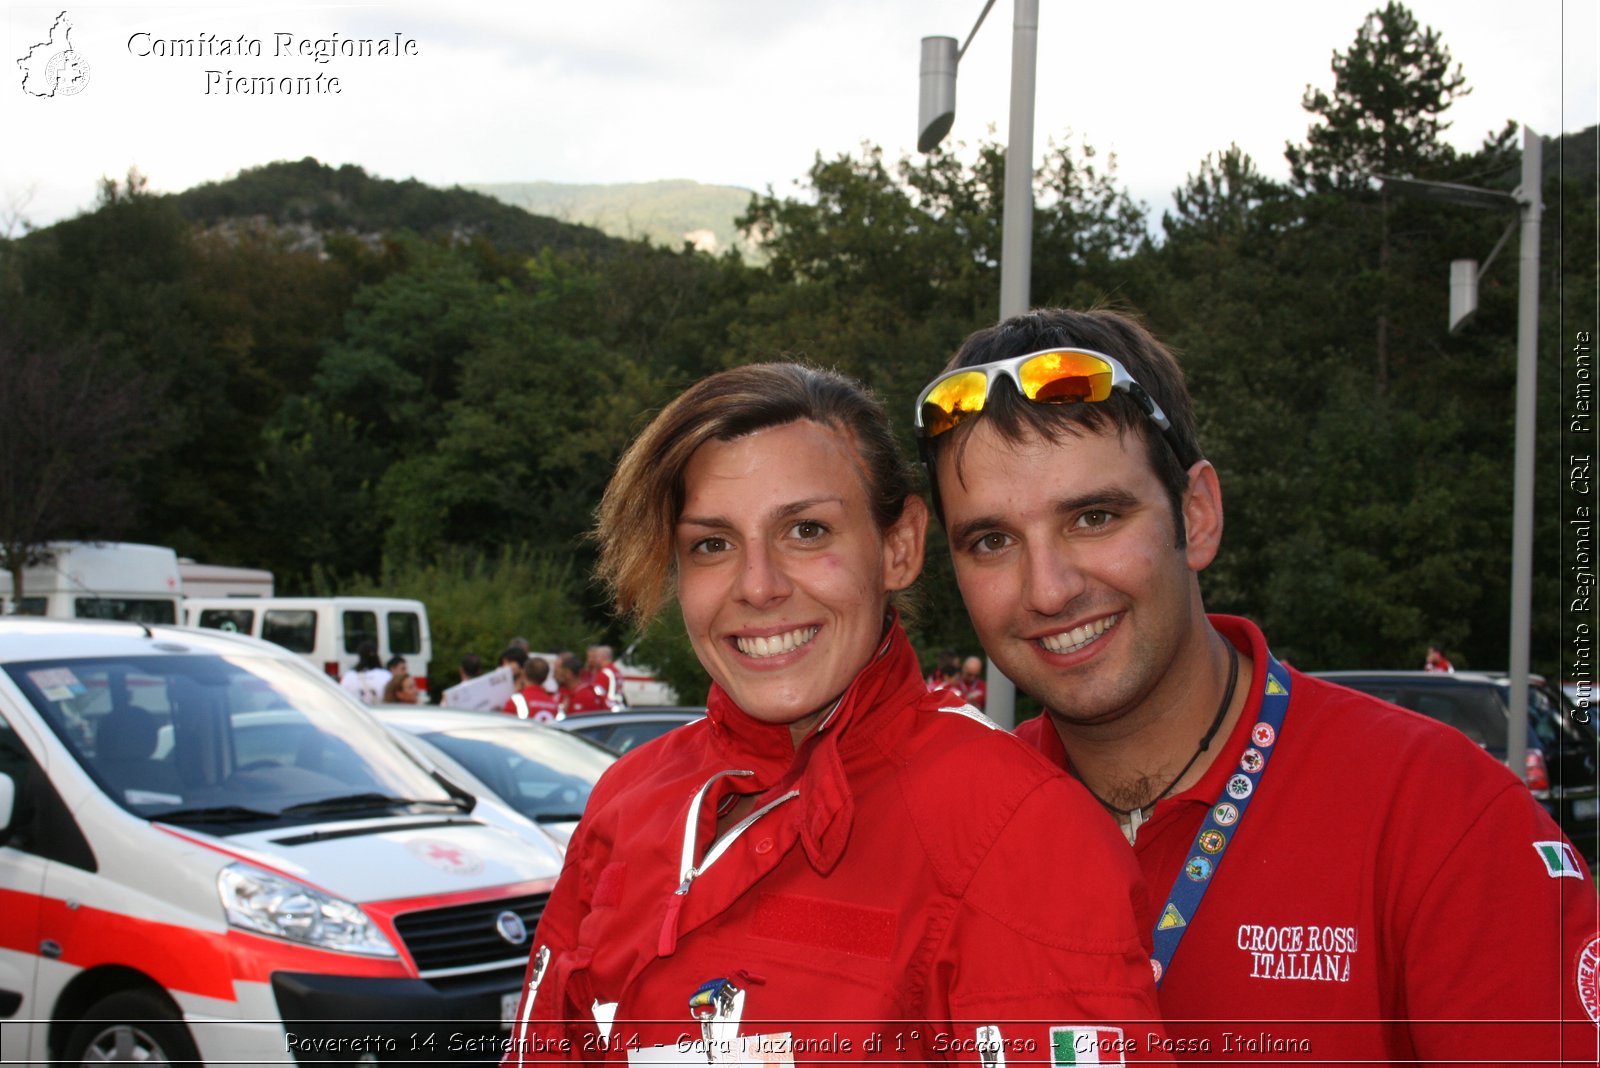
x: 384, y: 859
x: 561, y: 831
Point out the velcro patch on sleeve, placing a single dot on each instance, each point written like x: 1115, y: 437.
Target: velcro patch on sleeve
x: 608, y: 888
x: 832, y: 925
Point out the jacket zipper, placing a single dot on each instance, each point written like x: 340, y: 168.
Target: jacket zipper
x: 541, y: 961
x: 688, y: 871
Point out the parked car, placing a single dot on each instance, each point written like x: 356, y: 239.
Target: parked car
x: 622, y: 731
x: 1560, y: 765
x: 210, y: 853
x: 540, y: 775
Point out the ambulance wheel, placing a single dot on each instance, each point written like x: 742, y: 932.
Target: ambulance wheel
x: 131, y: 1026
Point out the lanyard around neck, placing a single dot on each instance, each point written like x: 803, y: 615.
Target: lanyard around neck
x: 1222, y: 823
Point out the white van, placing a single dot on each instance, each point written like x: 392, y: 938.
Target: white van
x: 210, y: 854
x: 328, y: 631
x: 99, y: 580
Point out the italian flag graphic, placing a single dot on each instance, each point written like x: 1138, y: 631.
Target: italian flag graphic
x: 1559, y: 859
x: 1086, y: 1045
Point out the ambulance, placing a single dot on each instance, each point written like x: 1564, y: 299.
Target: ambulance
x: 210, y: 854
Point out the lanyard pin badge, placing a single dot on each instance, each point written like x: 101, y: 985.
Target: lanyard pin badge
x: 718, y: 1004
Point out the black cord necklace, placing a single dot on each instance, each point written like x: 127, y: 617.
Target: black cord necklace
x: 1127, y: 814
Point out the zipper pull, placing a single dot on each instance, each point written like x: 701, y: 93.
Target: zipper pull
x: 667, y: 944
x: 541, y: 961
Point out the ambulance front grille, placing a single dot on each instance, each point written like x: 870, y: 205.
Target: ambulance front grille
x: 468, y: 937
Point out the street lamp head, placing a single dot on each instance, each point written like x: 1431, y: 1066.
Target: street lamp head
x: 1463, y: 293
x: 936, y: 103
x: 1449, y: 193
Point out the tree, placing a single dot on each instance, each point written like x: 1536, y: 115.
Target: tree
x: 1391, y: 89
x: 70, y: 420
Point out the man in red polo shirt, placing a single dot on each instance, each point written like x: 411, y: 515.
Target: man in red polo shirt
x: 577, y: 694
x: 1332, y: 879
x: 533, y: 701
x: 601, y: 673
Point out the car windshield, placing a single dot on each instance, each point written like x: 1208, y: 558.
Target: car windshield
x: 544, y: 775
x: 1475, y: 710
x: 223, y: 741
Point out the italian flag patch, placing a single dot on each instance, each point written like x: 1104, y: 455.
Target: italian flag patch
x: 1086, y: 1045
x: 1560, y: 860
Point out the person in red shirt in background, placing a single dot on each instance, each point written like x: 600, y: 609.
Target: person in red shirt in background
x: 1436, y: 660
x: 604, y: 675
x: 577, y: 695
x: 568, y: 671
x: 971, y: 683
x: 1333, y: 879
x: 534, y: 701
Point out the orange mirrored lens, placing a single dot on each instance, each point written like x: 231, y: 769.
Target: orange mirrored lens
x: 954, y: 399
x: 1065, y: 378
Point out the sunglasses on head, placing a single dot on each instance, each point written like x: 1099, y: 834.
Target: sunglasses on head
x: 1052, y: 376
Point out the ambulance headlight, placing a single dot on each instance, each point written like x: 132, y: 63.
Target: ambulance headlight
x: 269, y: 904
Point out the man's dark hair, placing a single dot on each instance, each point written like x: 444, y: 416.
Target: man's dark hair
x: 367, y: 656
x: 536, y: 670
x: 517, y: 656
x: 472, y: 665
x: 1115, y: 334
x: 395, y: 660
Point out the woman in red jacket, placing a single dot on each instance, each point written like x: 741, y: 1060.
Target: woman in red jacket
x: 836, y: 864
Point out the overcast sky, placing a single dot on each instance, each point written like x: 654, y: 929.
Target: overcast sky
x: 739, y: 92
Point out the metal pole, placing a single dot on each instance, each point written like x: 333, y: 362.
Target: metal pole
x: 1016, y: 246
x: 1522, y: 463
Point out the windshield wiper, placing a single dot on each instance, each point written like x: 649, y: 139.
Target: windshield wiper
x: 214, y: 814
x: 358, y: 802
x: 558, y: 817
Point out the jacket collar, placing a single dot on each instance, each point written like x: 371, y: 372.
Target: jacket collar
x: 889, y: 686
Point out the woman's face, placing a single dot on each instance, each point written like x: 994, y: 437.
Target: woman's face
x: 783, y: 575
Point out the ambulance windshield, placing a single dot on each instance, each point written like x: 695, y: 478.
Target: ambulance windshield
x: 224, y: 742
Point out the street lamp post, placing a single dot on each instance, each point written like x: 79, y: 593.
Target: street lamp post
x: 937, y: 112
x: 1526, y: 200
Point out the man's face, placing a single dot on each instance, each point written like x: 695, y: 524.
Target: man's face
x: 1065, y: 555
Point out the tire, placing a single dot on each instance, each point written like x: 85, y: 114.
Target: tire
x: 133, y: 1026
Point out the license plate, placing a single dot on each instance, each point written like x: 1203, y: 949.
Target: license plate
x: 1584, y: 808
x: 508, y: 1007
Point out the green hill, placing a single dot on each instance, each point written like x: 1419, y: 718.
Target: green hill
x: 314, y: 195
x: 668, y: 213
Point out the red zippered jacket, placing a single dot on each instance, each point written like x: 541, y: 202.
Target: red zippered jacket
x: 914, y: 884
